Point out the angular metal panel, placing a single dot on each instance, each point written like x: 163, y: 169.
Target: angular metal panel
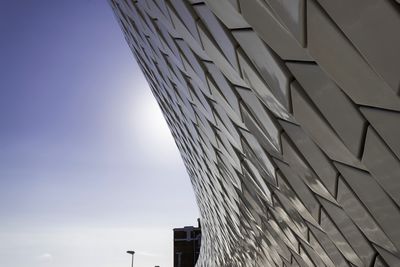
x: 286, y: 114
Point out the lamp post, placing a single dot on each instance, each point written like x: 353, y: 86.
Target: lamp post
x: 132, y: 253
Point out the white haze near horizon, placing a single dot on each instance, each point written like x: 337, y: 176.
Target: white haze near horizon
x: 88, y: 167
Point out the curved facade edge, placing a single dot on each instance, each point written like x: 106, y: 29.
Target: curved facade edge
x: 287, y: 117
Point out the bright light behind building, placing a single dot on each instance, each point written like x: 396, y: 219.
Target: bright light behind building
x: 150, y: 124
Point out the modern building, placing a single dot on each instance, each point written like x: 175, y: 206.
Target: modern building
x: 287, y: 117
x: 187, y: 243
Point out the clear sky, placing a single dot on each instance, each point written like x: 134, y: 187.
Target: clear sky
x: 88, y: 168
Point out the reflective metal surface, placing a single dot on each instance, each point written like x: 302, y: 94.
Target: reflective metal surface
x: 287, y: 117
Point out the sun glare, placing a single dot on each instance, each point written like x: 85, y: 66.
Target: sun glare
x: 150, y: 124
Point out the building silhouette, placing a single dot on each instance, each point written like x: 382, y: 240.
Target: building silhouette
x: 287, y: 117
x: 187, y: 242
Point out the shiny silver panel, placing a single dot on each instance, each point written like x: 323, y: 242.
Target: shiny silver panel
x: 287, y: 117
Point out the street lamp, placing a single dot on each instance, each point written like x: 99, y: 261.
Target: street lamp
x: 132, y: 253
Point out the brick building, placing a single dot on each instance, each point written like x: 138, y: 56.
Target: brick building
x: 187, y: 241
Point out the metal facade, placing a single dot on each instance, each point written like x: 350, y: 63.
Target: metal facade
x: 287, y: 117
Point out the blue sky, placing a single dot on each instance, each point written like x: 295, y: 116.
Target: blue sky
x: 88, y: 168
